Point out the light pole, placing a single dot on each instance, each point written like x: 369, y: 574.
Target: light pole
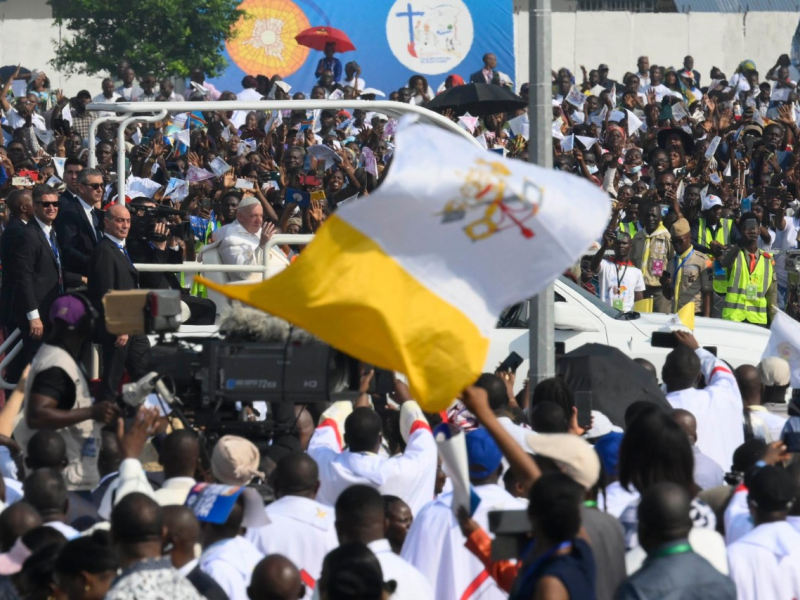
x: 540, y: 151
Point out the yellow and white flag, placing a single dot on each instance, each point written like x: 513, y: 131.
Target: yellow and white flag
x: 413, y: 277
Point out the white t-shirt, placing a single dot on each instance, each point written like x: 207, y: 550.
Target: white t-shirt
x: 618, y: 283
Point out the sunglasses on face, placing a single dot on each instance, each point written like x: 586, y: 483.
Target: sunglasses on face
x: 48, y: 204
x: 94, y: 186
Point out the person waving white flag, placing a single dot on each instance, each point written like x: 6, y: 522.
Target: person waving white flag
x: 414, y: 277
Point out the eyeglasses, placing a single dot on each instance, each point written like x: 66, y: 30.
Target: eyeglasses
x: 94, y: 186
x: 48, y: 204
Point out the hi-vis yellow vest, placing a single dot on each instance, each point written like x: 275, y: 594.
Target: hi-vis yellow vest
x: 723, y: 236
x: 746, y: 299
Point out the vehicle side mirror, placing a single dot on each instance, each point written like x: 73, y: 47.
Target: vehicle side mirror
x: 573, y: 318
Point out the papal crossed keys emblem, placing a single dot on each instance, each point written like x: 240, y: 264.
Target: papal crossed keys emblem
x: 490, y: 205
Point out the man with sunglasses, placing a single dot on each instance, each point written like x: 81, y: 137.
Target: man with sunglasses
x: 79, y: 223
x: 41, y: 276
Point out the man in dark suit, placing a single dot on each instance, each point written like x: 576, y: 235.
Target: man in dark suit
x: 111, y: 268
x: 78, y: 223
x: 72, y: 167
x: 487, y: 74
x: 39, y: 273
x: 20, y: 206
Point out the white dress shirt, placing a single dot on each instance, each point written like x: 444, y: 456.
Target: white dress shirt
x: 131, y: 93
x: 87, y: 208
x: 15, y: 120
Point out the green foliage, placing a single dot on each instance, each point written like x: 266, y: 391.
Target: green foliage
x: 167, y: 37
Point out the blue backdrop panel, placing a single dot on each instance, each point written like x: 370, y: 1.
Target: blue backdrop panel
x: 394, y: 40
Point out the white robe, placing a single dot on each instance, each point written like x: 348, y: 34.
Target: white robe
x: 411, y: 584
x: 230, y: 563
x: 410, y: 475
x: 765, y: 563
x: 300, y: 529
x: 717, y: 409
x: 435, y: 546
x: 737, y: 508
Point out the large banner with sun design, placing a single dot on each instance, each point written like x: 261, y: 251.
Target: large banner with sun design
x: 394, y: 40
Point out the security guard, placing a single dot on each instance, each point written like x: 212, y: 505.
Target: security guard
x: 687, y: 278
x: 713, y: 234
x: 752, y: 293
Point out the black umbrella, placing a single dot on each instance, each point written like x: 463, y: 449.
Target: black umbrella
x: 477, y: 99
x: 614, y: 379
x: 9, y: 70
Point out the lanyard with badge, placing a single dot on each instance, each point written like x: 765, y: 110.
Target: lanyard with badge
x: 617, y: 300
x: 678, y: 267
x: 751, y: 289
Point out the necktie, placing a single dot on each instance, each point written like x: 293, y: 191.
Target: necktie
x: 96, y: 225
x: 54, y: 248
x: 125, y: 252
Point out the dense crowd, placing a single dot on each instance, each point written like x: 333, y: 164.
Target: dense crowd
x: 695, y: 497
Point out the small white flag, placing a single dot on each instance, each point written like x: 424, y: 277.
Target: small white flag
x: 195, y: 174
x: 521, y: 125
x: 58, y: 163
x: 634, y: 122
x: 568, y: 143
x: 712, y: 147
x: 219, y: 166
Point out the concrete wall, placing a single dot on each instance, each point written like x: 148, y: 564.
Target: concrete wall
x: 30, y: 42
x: 619, y: 38
x: 588, y: 38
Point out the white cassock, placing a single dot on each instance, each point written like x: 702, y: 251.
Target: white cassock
x: 410, y: 476
x: 411, y: 584
x: 435, y: 546
x: 230, y: 563
x: 717, y: 409
x: 736, y: 514
x: 765, y: 563
x: 237, y: 246
x: 300, y: 529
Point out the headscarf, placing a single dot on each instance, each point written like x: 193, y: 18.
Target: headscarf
x: 612, y: 126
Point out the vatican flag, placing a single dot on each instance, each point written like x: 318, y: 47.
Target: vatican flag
x: 413, y: 277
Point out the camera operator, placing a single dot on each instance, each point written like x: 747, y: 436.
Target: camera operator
x: 153, y: 244
x: 58, y: 396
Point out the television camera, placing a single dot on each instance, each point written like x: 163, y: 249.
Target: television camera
x: 208, y: 382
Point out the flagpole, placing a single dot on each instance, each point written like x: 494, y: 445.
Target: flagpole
x: 541, y: 321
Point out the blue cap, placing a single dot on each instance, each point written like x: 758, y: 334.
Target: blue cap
x: 607, y: 448
x: 483, y: 454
